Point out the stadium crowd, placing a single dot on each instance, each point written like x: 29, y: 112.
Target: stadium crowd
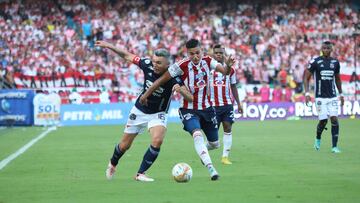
x: 51, y: 43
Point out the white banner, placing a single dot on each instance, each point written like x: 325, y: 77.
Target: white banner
x: 47, y: 109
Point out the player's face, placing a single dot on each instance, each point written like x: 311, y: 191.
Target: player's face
x: 326, y: 50
x: 160, y: 63
x: 194, y: 54
x: 219, y: 54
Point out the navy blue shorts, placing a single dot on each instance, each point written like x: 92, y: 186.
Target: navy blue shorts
x: 225, y: 113
x: 200, y: 119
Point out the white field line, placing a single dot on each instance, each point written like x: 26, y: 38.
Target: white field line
x: 13, y: 156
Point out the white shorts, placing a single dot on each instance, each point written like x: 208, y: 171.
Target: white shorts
x: 327, y: 107
x: 138, y: 121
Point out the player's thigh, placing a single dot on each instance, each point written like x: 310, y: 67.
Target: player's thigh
x: 157, y: 135
x: 321, y: 108
x: 136, y: 122
x: 209, y: 125
x: 190, y: 120
x: 227, y: 118
x: 333, y: 107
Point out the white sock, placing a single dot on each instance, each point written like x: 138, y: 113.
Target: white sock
x: 201, y: 149
x: 227, y: 140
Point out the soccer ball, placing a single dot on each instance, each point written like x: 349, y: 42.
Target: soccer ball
x: 182, y: 172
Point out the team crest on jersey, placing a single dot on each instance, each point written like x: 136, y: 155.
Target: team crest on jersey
x: 332, y: 65
x: 187, y: 116
x: 147, y: 61
x: 132, y: 116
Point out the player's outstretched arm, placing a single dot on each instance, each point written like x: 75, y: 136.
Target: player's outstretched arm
x: 338, y: 85
x: 184, y: 91
x: 307, y: 77
x: 235, y: 93
x: 162, y: 80
x: 121, y: 52
x: 225, y: 70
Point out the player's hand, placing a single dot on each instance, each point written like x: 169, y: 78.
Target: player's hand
x: 342, y: 100
x: 240, y: 109
x: 176, y: 88
x: 230, y: 61
x: 143, y: 100
x: 103, y: 44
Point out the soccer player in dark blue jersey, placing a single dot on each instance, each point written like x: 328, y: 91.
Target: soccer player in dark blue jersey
x: 326, y: 71
x: 153, y: 116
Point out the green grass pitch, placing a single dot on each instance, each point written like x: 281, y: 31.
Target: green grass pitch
x: 273, y: 161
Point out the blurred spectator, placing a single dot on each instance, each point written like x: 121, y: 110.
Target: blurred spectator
x: 265, y: 93
x: 75, y: 97
x: 277, y: 94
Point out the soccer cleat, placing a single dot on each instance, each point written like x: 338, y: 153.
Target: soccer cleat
x: 225, y: 160
x: 143, y: 178
x: 335, y: 150
x: 110, y: 171
x: 317, y: 144
x: 214, y: 174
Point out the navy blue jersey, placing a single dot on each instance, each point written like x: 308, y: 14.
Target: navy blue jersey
x: 324, y: 71
x: 160, y: 99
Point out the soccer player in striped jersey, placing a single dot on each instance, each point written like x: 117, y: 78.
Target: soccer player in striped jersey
x: 153, y: 116
x: 326, y: 71
x: 199, y: 114
x: 221, y: 88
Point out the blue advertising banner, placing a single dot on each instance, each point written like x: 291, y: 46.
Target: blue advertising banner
x: 16, y: 107
x: 104, y: 114
x: 113, y: 114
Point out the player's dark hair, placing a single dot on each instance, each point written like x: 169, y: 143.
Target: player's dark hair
x: 217, y: 46
x: 327, y: 43
x: 162, y: 53
x: 192, y: 43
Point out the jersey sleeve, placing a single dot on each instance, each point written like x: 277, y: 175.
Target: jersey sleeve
x: 136, y: 60
x: 213, y: 64
x: 312, y: 65
x: 143, y: 63
x: 177, y: 80
x: 175, y: 70
x: 337, y: 67
x: 233, y: 77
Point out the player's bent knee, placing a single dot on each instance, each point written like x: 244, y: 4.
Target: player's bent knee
x: 124, y: 146
x: 157, y: 142
x: 334, y: 122
x: 323, y: 122
x: 213, y: 145
x: 196, y: 132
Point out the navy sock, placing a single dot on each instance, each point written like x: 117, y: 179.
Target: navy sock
x: 149, y: 158
x: 320, y: 128
x: 116, y: 156
x: 335, y: 133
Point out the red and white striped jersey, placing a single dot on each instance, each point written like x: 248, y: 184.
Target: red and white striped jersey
x: 220, y: 87
x: 196, y: 78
